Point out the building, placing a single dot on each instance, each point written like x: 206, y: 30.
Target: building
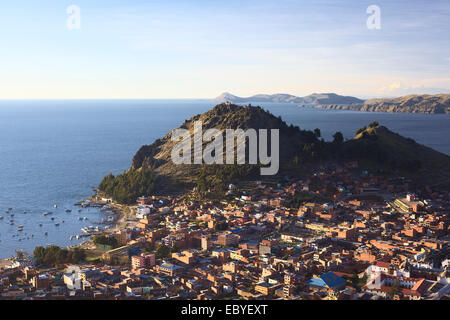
x: 227, y: 239
x: 185, y: 257
x: 41, y: 281
x: 168, y: 269
x: 328, y: 280
x: 143, y: 261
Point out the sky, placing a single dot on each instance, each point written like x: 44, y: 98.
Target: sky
x: 179, y: 49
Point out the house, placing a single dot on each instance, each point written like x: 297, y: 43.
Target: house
x: 328, y: 280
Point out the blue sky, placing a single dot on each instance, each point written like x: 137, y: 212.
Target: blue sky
x: 199, y: 49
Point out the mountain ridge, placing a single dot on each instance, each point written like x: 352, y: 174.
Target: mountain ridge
x: 312, y: 99
x: 427, y: 104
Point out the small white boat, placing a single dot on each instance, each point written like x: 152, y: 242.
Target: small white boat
x: 71, y: 238
x: 20, y: 228
x: 55, y: 206
x: 46, y: 213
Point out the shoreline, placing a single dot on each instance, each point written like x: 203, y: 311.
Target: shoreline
x: 112, y: 227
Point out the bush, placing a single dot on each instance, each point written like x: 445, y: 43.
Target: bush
x: 106, y: 241
x: 54, y: 255
x: 128, y: 186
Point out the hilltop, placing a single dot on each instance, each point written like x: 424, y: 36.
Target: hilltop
x: 157, y: 156
x: 152, y: 169
x: 429, y: 104
x: 387, y: 149
x: 312, y: 99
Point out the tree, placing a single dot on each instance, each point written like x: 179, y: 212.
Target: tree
x: 162, y: 251
x: 127, y: 187
x: 361, y: 130
x: 317, y: 133
x: 374, y: 124
x: 54, y: 255
x: 338, y: 137
x: 395, y: 289
x: 105, y: 240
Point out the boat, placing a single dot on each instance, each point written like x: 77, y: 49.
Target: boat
x: 68, y: 210
x: 90, y: 229
x: 20, y: 228
x: 71, y: 238
x: 46, y: 213
x: 25, y: 212
x: 40, y: 224
x: 57, y: 224
x: 52, y: 218
x: 46, y: 233
x: 80, y: 218
x: 1, y: 217
x: 55, y: 206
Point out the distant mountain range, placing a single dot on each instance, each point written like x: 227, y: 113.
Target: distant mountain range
x: 430, y: 104
x: 312, y: 99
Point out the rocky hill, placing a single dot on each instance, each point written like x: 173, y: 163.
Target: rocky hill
x: 313, y: 99
x: 429, y: 104
x: 387, y: 149
x: 152, y: 168
x: 157, y: 156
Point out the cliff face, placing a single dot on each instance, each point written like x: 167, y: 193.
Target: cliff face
x: 428, y: 104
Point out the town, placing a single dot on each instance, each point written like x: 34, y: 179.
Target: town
x: 341, y: 233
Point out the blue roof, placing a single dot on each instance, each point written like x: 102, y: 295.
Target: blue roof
x: 330, y: 280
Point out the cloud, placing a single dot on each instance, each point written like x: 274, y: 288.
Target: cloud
x: 424, y: 86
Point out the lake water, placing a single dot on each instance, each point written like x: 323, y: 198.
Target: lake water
x: 56, y: 152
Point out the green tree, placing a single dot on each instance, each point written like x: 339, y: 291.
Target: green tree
x: 338, y: 138
x: 374, y: 124
x: 361, y: 130
x: 162, y: 251
x: 317, y: 133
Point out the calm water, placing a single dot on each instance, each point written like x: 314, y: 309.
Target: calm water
x: 56, y: 152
